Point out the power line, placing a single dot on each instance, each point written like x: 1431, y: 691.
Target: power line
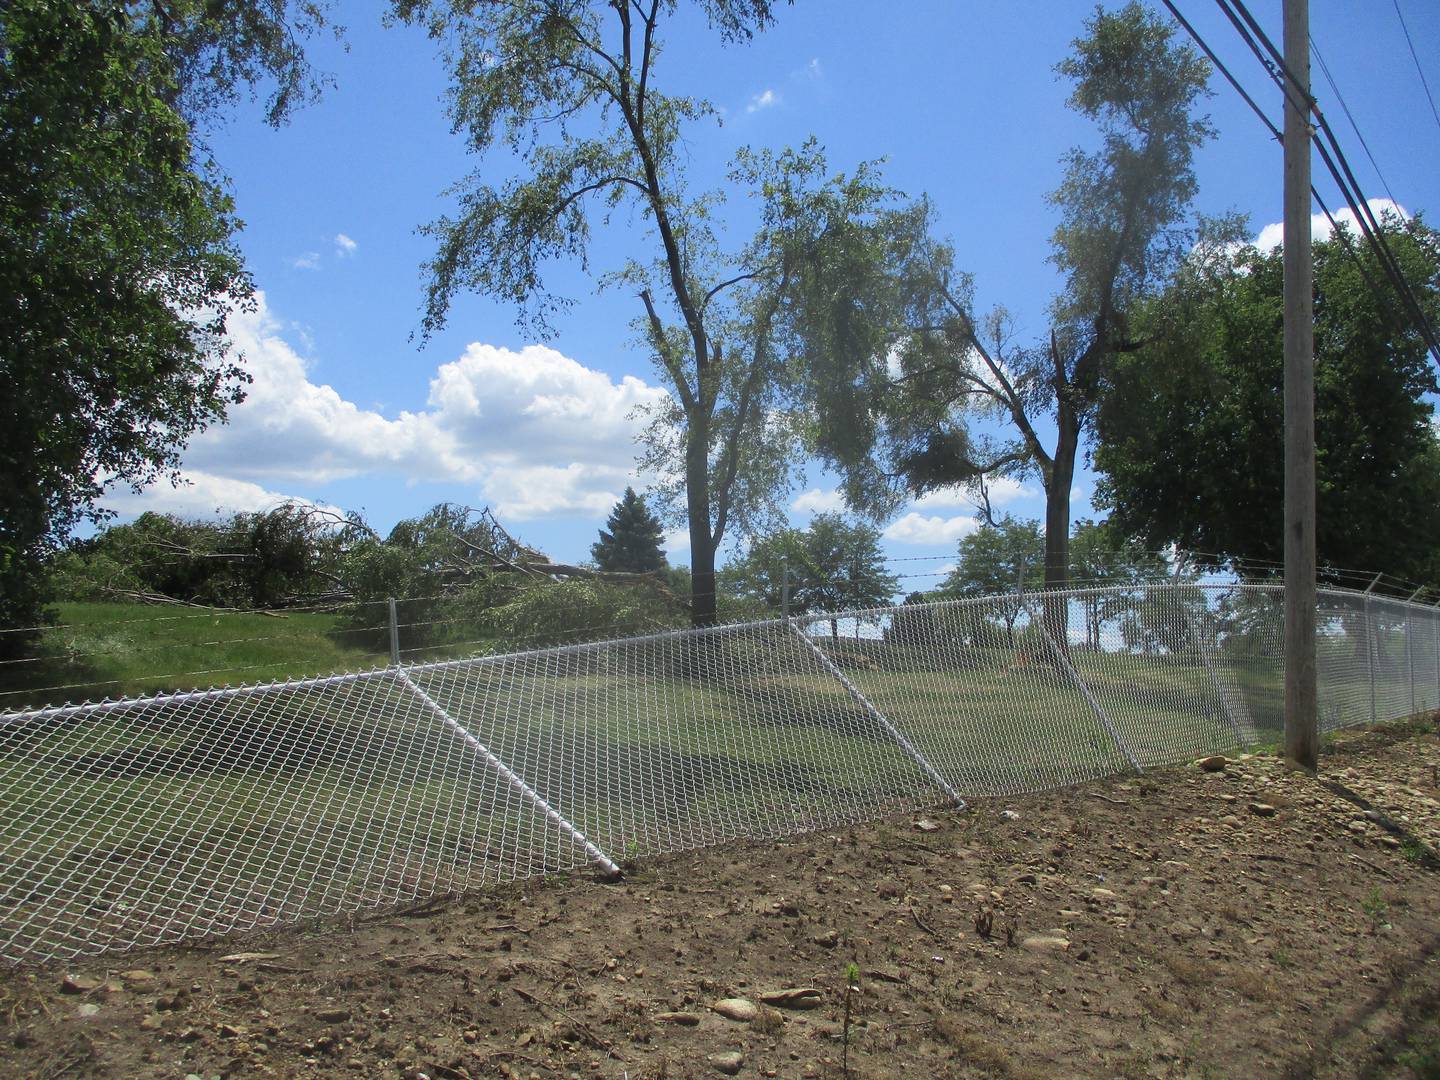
x: 1415, y: 56
x: 1338, y: 166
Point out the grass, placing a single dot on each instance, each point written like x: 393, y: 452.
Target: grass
x: 112, y: 650
x: 137, y: 825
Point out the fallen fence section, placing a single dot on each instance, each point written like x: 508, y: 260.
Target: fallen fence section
x: 142, y: 821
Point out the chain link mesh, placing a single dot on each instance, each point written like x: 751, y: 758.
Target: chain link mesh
x: 142, y: 821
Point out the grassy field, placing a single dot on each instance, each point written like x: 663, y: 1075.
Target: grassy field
x: 114, y: 650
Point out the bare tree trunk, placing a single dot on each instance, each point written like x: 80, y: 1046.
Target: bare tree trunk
x: 702, y: 541
x: 1057, y: 524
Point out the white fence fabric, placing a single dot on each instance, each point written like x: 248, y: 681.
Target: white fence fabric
x: 142, y: 821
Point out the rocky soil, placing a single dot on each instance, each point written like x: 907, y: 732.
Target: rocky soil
x: 1246, y: 922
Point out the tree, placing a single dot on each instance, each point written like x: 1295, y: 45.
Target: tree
x: 633, y: 541
x: 833, y: 565
x: 997, y: 562
x: 897, y: 422
x: 1189, y: 449
x: 117, y: 270
x: 567, y: 87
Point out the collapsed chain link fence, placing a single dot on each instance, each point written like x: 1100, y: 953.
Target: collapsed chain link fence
x: 149, y: 820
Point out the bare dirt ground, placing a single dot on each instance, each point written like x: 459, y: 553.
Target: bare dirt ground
x: 1249, y: 922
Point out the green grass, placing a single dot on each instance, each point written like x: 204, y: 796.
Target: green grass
x: 114, y: 650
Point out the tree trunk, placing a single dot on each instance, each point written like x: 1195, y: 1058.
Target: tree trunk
x: 1057, y: 523
x: 702, y: 541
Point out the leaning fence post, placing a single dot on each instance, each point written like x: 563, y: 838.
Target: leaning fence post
x: 1227, y: 706
x: 1372, y: 646
x: 394, y: 635
x: 880, y: 718
x: 1063, y: 660
x: 529, y: 794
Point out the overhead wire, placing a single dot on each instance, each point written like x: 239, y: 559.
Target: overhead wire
x: 1416, y: 57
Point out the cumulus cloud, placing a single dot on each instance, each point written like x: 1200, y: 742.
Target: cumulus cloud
x: 344, y: 245
x: 1003, y: 490
x: 199, y: 495
x: 1272, y: 236
x: 532, y: 432
x: 819, y: 501
x: 763, y: 100
x: 917, y: 528
x: 308, y: 261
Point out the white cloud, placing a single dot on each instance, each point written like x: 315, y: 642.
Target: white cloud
x: 676, y: 543
x: 199, y: 495
x: 533, y: 432
x: 309, y: 261
x: 818, y: 501
x: 763, y: 100
x: 916, y: 528
x: 1272, y: 236
x: 1003, y: 491
x: 344, y: 245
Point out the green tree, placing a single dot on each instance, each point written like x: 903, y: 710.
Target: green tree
x: 997, y: 561
x: 632, y: 544
x: 898, y: 422
x: 117, y: 270
x: 1189, y: 449
x: 568, y: 88
x: 832, y: 565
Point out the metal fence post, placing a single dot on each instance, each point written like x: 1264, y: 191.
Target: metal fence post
x: 528, y: 793
x: 1062, y: 658
x: 394, y: 635
x: 1372, y: 645
x: 1227, y: 706
x: 1410, y: 644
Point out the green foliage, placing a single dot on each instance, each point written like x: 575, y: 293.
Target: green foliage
x: 632, y: 544
x: 833, y: 565
x: 117, y: 269
x: 995, y: 561
x: 898, y: 421
x: 1190, y: 436
x: 532, y: 616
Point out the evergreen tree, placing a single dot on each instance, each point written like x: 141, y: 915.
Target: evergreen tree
x: 632, y: 542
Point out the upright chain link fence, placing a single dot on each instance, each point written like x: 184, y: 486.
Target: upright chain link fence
x: 148, y: 820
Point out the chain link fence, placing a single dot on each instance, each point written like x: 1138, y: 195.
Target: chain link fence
x: 141, y: 821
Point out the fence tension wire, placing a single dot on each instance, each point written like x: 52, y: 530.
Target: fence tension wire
x: 880, y: 718
x: 526, y: 791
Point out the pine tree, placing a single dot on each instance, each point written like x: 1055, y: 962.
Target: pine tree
x: 632, y: 542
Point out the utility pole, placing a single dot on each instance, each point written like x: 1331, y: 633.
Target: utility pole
x: 1302, y: 742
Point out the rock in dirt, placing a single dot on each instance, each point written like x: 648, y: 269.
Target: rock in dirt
x: 1046, y: 942
x: 80, y: 984
x: 737, y: 1009
x: 1214, y: 763
x: 806, y: 997
x: 1262, y: 809
x: 88, y: 1010
x: 333, y: 1016
x: 927, y: 825
x: 1010, y: 815
x: 1357, y: 827
x: 138, y: 977
x: 684, y: 1019
x: 728, y: 1063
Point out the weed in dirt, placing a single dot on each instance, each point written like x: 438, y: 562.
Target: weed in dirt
x: 1254, y: 986
x: 1423, y: 1061
x: 1187, y: 971
x: 1282, y: 957
x: 972, y: 1048
x: 1412, y: 851
x: 852, y: 987
x: 1376, y: 909
x: 985, y: 921
x: 769, y: 1021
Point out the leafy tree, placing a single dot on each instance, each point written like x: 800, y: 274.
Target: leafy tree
x: 568, y: 88
x: 632, y: 544
x: 898, y: 422
x: 117, y: 270
x: 1190, y: 435
x: 832, y: 565
x: 996, y: 561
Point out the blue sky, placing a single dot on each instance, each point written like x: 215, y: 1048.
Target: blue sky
x: 960, y: 99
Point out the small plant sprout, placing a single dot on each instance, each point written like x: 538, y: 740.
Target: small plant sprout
x: 852, y: 988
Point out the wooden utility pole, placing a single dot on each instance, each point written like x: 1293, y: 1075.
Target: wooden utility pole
x: 1302, y: 742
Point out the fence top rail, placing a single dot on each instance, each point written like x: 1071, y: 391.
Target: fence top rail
x: 870, y: 614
